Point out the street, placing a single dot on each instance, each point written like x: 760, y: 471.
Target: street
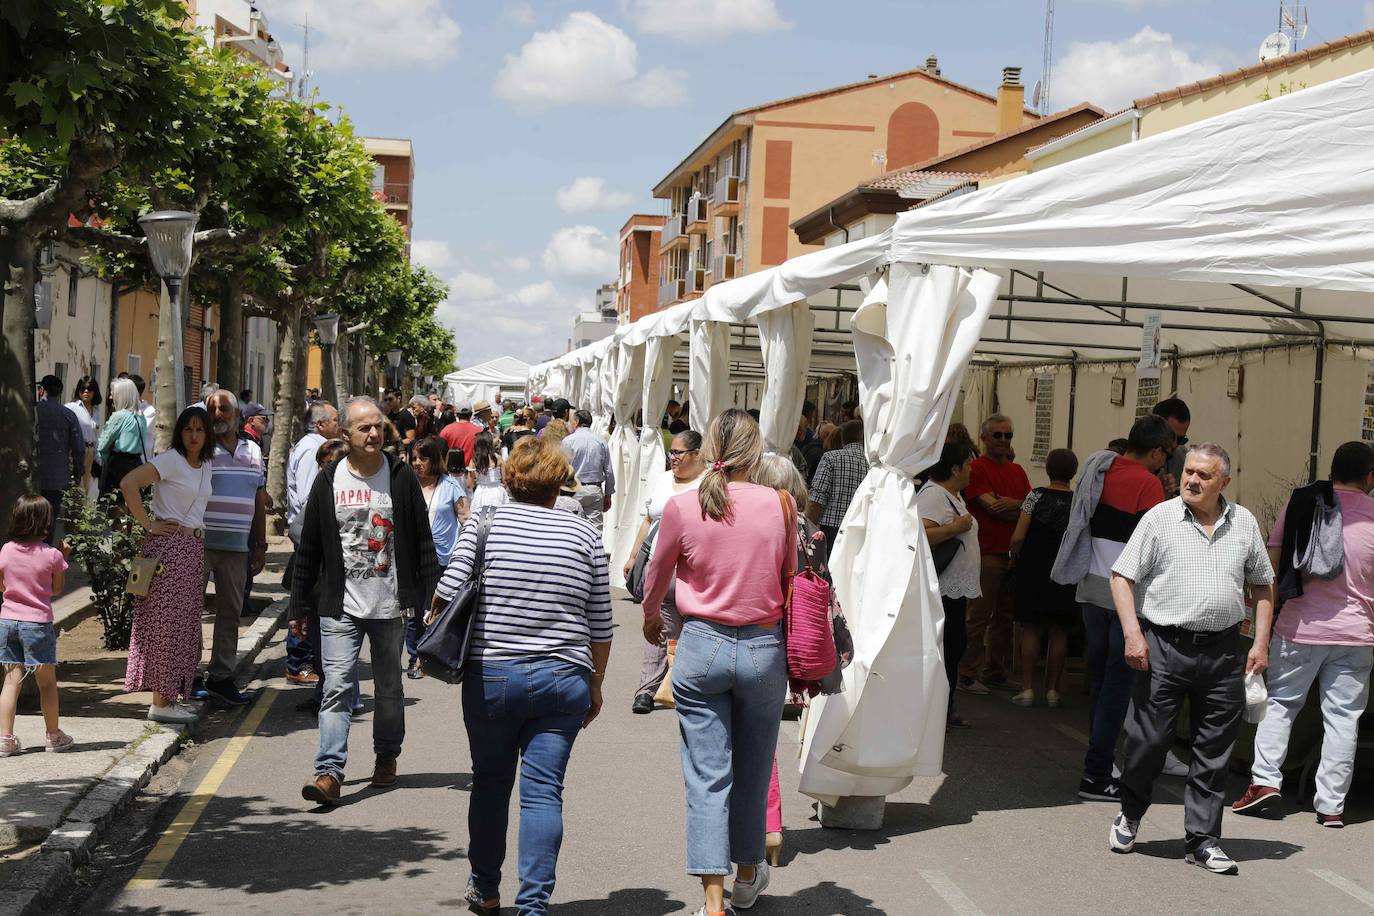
x: 1001, y: 833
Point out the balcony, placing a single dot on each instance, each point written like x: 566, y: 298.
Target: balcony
x: 725, y: 199
x: 674, y: 233
x: 392, y: 193
x: 696, y: 216
x: 695, y: 282
x: 670, y: 292
x: 725, y: 267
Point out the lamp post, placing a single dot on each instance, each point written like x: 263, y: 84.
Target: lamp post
x: 415, y: 378
x: 171, y: 235
x: 429, y: 384
x: 327, y: 326
x: 393, y: 361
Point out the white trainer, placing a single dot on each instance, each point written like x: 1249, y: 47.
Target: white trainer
x: 744, y: 895
x: 172, y: 714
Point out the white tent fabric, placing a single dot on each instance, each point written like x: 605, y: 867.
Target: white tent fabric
x: 622, y: 522
x: 709, y: 369
x: 889, y: 723
x: 487, y: 381
x: 785, y: 338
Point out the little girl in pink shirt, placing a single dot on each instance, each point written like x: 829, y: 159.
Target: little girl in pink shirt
x: 30, y: 573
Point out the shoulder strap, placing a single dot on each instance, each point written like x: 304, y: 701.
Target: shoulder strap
x: 483, y: 528
x: 789, y: 520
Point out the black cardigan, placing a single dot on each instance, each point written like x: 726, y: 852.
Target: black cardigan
x: 319, y: 555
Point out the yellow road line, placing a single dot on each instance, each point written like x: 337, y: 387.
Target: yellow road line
x: 150, y: 872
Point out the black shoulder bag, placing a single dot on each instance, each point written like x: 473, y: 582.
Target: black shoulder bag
x: 443, y: 649
x: 944, y: 552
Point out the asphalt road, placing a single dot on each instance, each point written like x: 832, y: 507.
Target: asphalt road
x: 1002, y: 832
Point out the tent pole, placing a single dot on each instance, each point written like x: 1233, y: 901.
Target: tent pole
x: 1319, y: 376
x: 1073, y: 396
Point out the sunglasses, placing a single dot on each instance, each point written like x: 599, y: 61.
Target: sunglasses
x: 1001, y: 437
x: 1180, y: 441
x: 681, y: 452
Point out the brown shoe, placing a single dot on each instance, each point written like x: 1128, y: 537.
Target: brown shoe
x: 323, y: 791
x: 384, y: 773
x: 304, y: 679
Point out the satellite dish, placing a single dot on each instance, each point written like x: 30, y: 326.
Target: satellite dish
x: 1276, y: 45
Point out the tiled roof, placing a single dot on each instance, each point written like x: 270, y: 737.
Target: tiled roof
x: 1268, y: 66
x: 920, y: 185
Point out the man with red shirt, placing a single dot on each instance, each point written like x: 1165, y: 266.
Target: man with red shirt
x: 461, y: 433
x: 997, y: 487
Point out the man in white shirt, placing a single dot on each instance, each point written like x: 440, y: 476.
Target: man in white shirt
x: 591, y: 462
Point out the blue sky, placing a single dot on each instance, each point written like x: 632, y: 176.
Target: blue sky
x: 539, y: 126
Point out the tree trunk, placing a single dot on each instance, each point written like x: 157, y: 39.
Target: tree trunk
x: 230, y: 345
x: 17, y: 417
x: 288, y: 394
x: 165, y: 391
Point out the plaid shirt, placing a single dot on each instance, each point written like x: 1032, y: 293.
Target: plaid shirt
x: 1182, y: 578
x: 837, y: 478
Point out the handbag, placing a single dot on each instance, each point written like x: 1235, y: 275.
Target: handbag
x: 634, y: 583
x: 944, y: 552
x: 443, y: 649
x: 142, y: 572
x: 806, y: 609
x: 118, y: 465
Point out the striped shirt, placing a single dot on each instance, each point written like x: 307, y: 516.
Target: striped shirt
x: 545, y: 589
x: 1185, y: 579
x: 235, y: 481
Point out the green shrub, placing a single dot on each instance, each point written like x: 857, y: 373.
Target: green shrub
x: 104, y: 541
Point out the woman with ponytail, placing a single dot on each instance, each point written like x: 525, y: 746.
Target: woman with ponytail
x: 729, y: 545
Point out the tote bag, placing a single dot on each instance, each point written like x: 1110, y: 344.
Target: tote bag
x: 810, y: 631
x: 443, y: 650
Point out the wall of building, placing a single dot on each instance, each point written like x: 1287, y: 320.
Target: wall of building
x: 638, y: 293
x: 77, y: 341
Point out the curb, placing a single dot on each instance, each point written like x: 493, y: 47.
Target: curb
x: 42, y: 880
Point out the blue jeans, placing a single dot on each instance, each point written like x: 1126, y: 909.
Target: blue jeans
x: 1111, y: 681
x: 1342, y: 677
x: 415, y: 628
x: 317, y: 663
x: 729, y: 684
x: 341, y: 640
x: 526, y: 712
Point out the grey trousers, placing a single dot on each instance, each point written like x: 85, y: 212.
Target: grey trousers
x: 653, y: 665
x: 1209, y: 674
x: 230, y: 571
x: 591, y: 498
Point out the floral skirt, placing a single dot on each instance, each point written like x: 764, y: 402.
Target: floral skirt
x: 164, y: 648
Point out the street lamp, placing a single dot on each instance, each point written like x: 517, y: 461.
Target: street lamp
x: 429, y: 384
x: 393, y: 361
x: 327, y: 326
x: 171, y: 235
x: 415, y: 378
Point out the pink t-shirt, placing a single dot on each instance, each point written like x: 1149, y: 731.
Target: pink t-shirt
x: 728, y: 571
x: 28, y: 568
x: 1339, y: 611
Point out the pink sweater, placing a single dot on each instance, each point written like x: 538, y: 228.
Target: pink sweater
x: 728, y: 571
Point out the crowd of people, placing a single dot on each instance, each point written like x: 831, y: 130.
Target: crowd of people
x: 1135, y: 553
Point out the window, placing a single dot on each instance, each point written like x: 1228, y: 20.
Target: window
x: 134, y: 364
x: 60, y: 370
x: 73, y: 281
x: 378, y: 178
x: 1044, y: 418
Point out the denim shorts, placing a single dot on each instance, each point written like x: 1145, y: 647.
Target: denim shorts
x: 23, y: 642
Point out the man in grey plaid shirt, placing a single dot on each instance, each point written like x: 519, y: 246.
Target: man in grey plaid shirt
x: 1189, y: 562
x: 837, y: 480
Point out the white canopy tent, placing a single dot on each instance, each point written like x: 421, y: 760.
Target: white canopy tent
x: 489, y: 381
x: 1254, y: 222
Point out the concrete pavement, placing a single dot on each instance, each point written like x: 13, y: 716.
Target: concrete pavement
x: 1002, y: 832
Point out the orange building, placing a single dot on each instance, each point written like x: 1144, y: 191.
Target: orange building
x: 731, y: 201
x: 637, y: 285
x: 393, y: 176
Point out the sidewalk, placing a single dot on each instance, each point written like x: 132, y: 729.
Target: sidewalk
x: 60, y: 803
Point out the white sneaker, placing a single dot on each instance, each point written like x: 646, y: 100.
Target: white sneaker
x: 744, y: 895
x: 1024, y: 698
x: 1173, y: 766
x: 172, y: 714
x: 702, y: 911
x: 1214, y: 860
x: 1052, y: 699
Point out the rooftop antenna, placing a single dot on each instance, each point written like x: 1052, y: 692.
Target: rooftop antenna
x: 1042, y: 88
x: 1293, y: 25
x: 306, y: 72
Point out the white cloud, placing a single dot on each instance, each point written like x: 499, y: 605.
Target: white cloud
x: 468, y: 285
x: 541, y: 293
x: 519, y: 13
x: 585, y: 61
x: 1115, y: 73
x: 591, y: 194
x: 580, y: 251
x: 530, y: 322
x: 433, y: 254
x: 519, y: 264
x: 706, y: 19
x: 366, y: 34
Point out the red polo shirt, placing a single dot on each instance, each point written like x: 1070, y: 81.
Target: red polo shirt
x: 461, y: 434
x: 1005, y: 478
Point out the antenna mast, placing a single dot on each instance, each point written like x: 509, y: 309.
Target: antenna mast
x: 1048, y: 63
x: 1293, y: 21
x: 305, y: 64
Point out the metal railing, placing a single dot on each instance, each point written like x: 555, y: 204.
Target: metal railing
x: 674, y: 228
x: 726, y: 267
x: 670, y: 291
x: 726, y: 191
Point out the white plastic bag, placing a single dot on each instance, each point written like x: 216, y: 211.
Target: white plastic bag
x: 1256, y: 697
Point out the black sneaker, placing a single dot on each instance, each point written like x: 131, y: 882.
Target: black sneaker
x: 198, y: 691
x: 225, y: 693
x: 1107, y: 790
x: 643, y: 704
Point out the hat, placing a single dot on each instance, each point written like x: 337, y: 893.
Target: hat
x: 561, y: 406
x: 571, y: 485
x: 481, y: 406
x: 255, y: 410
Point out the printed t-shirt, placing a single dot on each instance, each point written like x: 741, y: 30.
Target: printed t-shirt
x: 28, y: 568
x: 1000, y: 478
x: 1339, y: 611
x: 366, y: 520
x: 182, y: 492
x: 235, y: 482
x: 1129, y: 490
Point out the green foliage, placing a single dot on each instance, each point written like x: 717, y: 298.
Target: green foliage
x: 402, y: 303
x: 106, y: 552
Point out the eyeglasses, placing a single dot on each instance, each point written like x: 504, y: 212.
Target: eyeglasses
x: 681, y: 452
x: 1001, y: 437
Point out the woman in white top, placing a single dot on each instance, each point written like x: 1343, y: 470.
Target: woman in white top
x: 164, y: 647
x: 86, y: 406
x: 484, y: 475
x: 945, y: 518
x: 684, y: 457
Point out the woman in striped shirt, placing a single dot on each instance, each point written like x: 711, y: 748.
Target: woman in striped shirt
x: 533, y: 679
